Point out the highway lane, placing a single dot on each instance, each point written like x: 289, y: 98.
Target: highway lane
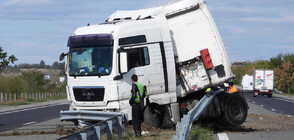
x: 269, y: 106
x: 275, y: 104
x: 14, y: 119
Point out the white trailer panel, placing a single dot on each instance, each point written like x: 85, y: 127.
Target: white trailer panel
x: 263, y: 80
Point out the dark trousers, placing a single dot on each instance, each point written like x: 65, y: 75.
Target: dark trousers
x: 136, y: 114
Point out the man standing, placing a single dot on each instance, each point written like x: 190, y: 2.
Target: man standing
x: 136, y: 94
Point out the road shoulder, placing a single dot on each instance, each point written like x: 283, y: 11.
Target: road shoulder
x: 4, y: 109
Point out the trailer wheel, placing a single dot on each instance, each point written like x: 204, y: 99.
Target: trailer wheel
x: 235, y: 112
x: 151, y: 116
x: 269, y: 95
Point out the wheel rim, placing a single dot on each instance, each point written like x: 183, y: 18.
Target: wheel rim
x: 236, y: 111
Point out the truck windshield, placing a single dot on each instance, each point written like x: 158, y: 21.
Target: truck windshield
x: 90, y: 61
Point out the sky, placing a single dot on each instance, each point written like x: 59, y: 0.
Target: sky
x: 35, y: 30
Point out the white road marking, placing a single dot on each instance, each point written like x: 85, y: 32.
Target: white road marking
x: 31, y: 108
x: 222, y: 136
x: 253, y: 102
x: 29, y: 123
x: 285, y: 100
x: 273, y: 109
x: 261, y: 105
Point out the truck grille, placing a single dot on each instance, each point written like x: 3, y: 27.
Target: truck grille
x: 89, y: 94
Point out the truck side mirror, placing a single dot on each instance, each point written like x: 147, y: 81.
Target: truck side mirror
x: 62, y: 55
x: 123, y: 62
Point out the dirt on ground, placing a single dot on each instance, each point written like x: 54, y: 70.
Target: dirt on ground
x: 271, y: 122
x: 152, y: 133
x: 260, y: 122
x: 254, y: 122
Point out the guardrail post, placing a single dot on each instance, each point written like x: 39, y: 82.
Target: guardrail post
x: 83, y: 136
x: 177, y: 128
x: 126, y: 124
x: 185, y: 125
x: 98, y: 132
x: 109, y: 130
x: 110, y: 121
x: 175, y: 137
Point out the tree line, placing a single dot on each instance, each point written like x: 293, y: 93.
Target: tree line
x: 283, y: 65
x: 29, y: 81
x: 33, y: 81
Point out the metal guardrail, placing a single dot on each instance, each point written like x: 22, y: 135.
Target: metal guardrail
x: 277, y: 91
x: 183, y: 127
x: 109, y: 121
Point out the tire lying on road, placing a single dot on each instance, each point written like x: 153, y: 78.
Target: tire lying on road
x: 235, y: 110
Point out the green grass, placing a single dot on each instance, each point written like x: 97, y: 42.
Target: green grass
x: 200, y: 133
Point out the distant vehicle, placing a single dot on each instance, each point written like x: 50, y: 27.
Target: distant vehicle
x: 263, y: 82
x: 247, y: 83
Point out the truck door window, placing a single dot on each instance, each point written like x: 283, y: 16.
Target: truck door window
x: 138, y: 57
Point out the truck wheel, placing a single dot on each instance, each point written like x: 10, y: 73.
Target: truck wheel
x: 255, y: 94
x: 269, y: 95
x: 235, y: 112
x: 151, y: 116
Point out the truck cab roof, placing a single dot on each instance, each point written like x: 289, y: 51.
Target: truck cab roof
x: 155, y: 29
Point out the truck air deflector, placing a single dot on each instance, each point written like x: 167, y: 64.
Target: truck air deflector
x: 132, y: 40
x: 90, y: 40
x: 184, y: 11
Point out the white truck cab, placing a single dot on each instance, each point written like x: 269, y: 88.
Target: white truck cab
x: 175, y: 50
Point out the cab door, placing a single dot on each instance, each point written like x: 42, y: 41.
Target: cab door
x: 146, y: 62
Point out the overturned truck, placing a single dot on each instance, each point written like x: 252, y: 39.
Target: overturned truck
x: 176, y: 51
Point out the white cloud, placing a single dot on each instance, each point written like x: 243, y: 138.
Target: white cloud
x: 239, y: 31
x: 26, y: 2
x: 286, y: 19
x: 285, y: 47
x: 283, y: 19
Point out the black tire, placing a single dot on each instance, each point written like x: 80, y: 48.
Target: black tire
x: 235, y: 110
x: 270, y: 95
x: 151, y: 116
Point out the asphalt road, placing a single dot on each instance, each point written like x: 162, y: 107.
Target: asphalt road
x: 264, y: 105
x: 14, y: 119
x: 276, y: 104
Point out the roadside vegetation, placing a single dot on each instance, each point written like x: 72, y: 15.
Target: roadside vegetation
x: 199, y: 132
x: 17, y: 80
x: 283, y: 65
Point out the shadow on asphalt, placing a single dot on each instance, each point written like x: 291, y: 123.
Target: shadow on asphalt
x: 219, y: 129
